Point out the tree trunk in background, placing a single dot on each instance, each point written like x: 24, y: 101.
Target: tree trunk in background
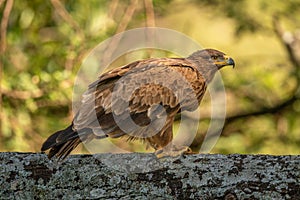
x: 142, y: 176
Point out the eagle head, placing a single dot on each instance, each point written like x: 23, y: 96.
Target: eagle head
x: 208, y: 61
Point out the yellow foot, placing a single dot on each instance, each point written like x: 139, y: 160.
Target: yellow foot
x: 173, y: 151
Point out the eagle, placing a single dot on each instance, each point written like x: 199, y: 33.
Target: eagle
x: 140, y: 101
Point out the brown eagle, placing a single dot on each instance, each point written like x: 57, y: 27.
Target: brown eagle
x: 140, y: 101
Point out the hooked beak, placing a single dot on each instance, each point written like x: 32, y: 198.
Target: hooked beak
x: 225, y: 62
x: 229, y: 61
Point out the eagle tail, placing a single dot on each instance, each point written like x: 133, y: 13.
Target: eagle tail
x: 61, y: 143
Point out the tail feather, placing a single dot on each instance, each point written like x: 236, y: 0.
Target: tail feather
x: 51, y: 141
x: 63, y: 151
x: 61, y: 143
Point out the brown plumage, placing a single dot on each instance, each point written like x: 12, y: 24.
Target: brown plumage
x: 140, y: 101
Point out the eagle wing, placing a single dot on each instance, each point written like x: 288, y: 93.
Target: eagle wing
x: 144, y: 92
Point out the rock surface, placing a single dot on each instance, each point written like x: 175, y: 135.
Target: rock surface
x: 142, y: 176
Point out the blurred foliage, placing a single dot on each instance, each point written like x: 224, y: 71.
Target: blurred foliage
x: 47, y: 40
x: 253, y: 16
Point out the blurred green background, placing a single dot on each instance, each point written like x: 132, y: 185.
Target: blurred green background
x: 43, y: 43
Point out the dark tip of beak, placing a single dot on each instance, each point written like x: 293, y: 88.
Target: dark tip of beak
x: 230, y: 61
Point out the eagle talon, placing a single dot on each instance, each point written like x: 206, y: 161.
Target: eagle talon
x: 174, y: 151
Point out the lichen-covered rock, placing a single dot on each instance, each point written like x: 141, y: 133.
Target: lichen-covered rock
x: 142, y: 176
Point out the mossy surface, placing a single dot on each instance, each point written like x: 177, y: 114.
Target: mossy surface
x: 142, y: 176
